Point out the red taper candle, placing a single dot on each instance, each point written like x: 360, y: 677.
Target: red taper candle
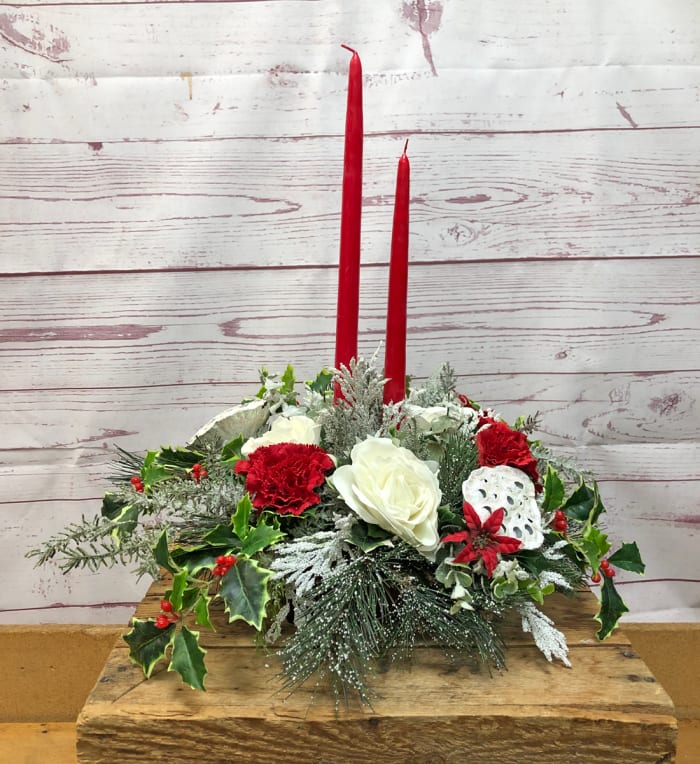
x: 395, y: 357
x: 347, y: 315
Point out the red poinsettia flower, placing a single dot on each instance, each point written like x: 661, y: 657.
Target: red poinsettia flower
x: 284, y: 476
x: 499, y: 444
x: 482, y: 541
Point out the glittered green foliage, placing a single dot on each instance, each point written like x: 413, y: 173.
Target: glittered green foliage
x: 611, y: 608
x: 179, y: 459
x: 244, y: 591
x: 148, y: 644
x: 188, y: 658
x: 341, y: 631
x: 424, y: 612
x: 627, y: 557
x: 322, y: 382
x: 460, y: 458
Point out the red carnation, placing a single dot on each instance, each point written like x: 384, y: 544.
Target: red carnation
x: 283, y: 476
x: 482, y: 540
x: 499, y: 444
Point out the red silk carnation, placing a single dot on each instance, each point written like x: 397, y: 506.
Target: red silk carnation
x: 498, y: 444
x: 284, y: 476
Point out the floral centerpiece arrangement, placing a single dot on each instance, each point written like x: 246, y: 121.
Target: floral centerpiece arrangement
x: 376, y: 526
x: 374, y: 516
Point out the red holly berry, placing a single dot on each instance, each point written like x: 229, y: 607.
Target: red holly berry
x: 604, y: 564
x: 162, y: 621
x: 166, y: 606
x: 136, y: 482
x: 609, y: 572
x: 219, y: 570
x: 221, y: 560
x: 230, y: 560
x: 595, y: 578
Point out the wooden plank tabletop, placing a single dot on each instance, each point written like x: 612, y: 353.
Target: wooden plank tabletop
x: 607, y: 706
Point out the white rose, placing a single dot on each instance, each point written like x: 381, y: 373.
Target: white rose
x: 293, y: 429
x: 389, y: 486
x: 439, y: 419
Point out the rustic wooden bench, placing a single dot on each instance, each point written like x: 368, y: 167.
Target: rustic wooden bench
x: 607, y: 708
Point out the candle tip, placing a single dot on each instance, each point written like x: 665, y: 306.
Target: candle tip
x: 405, y: 146
x: 347, y: 47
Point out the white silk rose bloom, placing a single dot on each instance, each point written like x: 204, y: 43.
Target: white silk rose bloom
x: 389, y: 486
x: 293, y: 429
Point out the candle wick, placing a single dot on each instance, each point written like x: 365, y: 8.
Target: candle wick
x: 405, y: 146
x: 347, y: 47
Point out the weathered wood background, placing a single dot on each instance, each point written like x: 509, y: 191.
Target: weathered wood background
x: 170, y: 194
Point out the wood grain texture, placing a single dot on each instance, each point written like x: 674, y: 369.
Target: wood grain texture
x: 169, y: 217
x: 238, y: 203
x: 624, y: 714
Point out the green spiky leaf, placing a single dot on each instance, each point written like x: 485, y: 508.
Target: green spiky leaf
x: 178, y: 589
x: 594, y: 546
x: 553, y: 490
x: 180, y: 458
x: 126, y: 522
x: 244, y: 591
x: 201, y: 610
x: 112, y: 506
x: 288, y: 381
x: 241, y: 517
x: 232, y: 450
x: 322, y: 382
x: 147, y: 643
x: 188, y: 658
x: 612, y: 607
x: 152, y: 471
x: 368, y: 537
x: 222, y: 536
x: 584, y: 504
x: 628, y: 557
x: 161, y: 553
x: 260, y: 537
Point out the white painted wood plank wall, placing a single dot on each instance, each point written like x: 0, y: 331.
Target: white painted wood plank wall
x: 169, y: 215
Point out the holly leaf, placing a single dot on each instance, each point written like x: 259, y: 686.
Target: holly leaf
x: 161, y: 553
x: 179, y: 586
x: 594, y: 546
x: 112, y: 506
x: 261, y: 536
x: 126, y: 522
x: 322, y: 382
x: 287, y: 380
x: 241, y: 517
x: 196, y: 558
x: 147, y: 643
x: 612, y: 607
x: 244, y: 592
x: 584, y: 504
x: 222, y: 535
x: 201, y: 611
x: 152, y: 472
x: 182, y: 458
x: 232, y: 450
x: 628, y: 557
x: 553, y: 490
x: 188, y: 658
x: 368, y: 537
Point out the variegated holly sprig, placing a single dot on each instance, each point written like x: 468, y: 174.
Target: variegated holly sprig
x: 591, y: 544
x: 221, y: 567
